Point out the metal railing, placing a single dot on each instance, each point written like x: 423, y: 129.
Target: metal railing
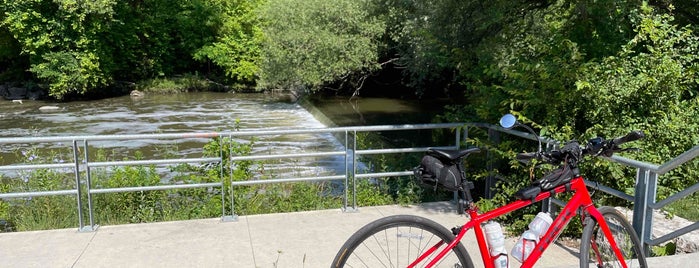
x: 644, y: 197
x: 646, y: 194
x: 84, y: 190
x: 77, y: 166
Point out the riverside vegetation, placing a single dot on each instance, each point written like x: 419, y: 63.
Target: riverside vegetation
x: 630, y: 64
x: 52, y: 212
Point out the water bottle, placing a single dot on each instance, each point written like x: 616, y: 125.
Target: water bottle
x: 537, y: 229
x: 525, y: 245
x: 540, y: 224
x: 496, y: 243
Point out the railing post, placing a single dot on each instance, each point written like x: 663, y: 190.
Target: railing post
x: 353, y: 155
x: 81, y: 224
x: 233, y: 216
x: 88, y: 189
x: 457, y: 145
x: 350, y: 173
x: 644, y: 197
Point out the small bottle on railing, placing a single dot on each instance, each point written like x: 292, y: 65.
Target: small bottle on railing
x: 496, y: 243
x: 537, y: 228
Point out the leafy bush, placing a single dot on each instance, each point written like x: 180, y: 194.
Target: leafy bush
x: 317, y: 42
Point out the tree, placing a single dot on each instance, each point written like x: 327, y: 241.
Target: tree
x: 59, y: 37
x: 237, y: 46
x: 651, y: 84
x: 315, y: 42
x: 579, y: 69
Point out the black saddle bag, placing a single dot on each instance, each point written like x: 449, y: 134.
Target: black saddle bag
x: 440, y: 174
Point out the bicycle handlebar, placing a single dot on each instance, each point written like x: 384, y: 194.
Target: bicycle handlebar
x: 632, y: 136
x: 572, y: 151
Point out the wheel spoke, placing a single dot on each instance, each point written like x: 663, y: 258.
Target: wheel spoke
x: 398, y: 241
x: 596, y: 247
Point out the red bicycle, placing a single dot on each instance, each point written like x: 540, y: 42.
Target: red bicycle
x: 608, y: 240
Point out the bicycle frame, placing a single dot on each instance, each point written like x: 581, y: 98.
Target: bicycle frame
x: 581, y: 202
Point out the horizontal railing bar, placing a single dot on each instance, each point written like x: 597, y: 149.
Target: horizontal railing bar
x: 679, y: 160
x: 659, y: 169
x: 35, y: 194
x: 154, y: 162
x: 351, y: 128
x: 384, y: 174
x: 633, y: 163
x: 673, y: 235
x: 200, y: 135
x: 156, y: 187
x: 269, y: 181
x: 38, y: 166
x: 609, y: 190
x: 402, y: 150
x: 690, y: 190
x: 275, y: 156
x: 191, y: 135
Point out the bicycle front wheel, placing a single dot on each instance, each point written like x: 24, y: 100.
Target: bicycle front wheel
x: 595, y: 249
x: 399, y: 241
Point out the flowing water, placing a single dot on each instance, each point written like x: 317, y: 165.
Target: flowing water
x: 194, y: 112
x: 203, y: 112
x: 191, y: 112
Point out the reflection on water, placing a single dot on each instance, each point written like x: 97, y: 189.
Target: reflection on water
x: 377, y: 111
x: 342, y: 111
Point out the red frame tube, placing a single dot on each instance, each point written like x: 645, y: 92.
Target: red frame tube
x: 581, y: 199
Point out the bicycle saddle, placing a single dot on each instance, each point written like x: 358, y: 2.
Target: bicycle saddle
x: 451, y: 155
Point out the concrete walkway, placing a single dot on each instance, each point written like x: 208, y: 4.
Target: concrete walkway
x: 303, y: 239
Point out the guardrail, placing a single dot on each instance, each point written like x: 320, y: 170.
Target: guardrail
x: 77, y: 166
x: 646, y: 194
x: 644, y: 197
x: 84, y: 188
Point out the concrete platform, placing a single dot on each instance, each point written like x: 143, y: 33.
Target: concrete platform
x: 303, y: 239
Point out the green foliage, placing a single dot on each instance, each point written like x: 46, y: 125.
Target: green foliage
x: 141, y: 206
x: 665, y: 250
x: 45, y: 212
x: 179, y: 84
x: 13, y: 66
x: 69, y: 72
x: 315, y: 42
x: 651, y: 85
x: 286, y: 197
x: 60, y: 38
x: 76, y: 47
x: 585, y: 69
x: 685, y: 208
x: 237, y: 46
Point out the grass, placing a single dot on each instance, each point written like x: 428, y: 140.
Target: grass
x: 686, y: 207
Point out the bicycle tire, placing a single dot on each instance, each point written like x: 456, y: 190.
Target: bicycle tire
x: 395, y: 241
x: 595, y: 248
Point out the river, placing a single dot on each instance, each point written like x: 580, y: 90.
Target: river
x: 203, y: 112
